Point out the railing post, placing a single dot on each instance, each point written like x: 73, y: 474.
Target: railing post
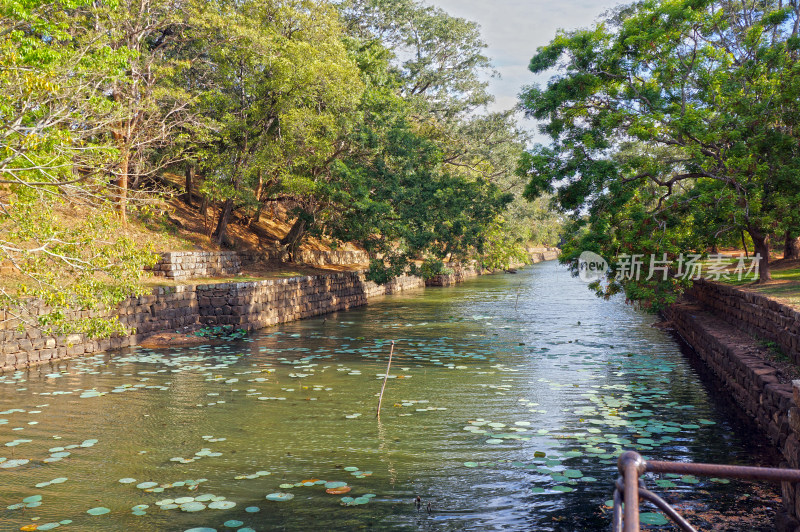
x: 631, y: 465
x: 791, y: 452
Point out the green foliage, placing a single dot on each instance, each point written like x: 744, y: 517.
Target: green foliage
x: 430, y: 269
x: 57, y: 232
x: 672, y: 124
x: 367, y: 120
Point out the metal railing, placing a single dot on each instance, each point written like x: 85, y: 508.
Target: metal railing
x: 630, y: 488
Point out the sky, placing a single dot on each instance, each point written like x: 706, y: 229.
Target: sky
x: 513, y: 29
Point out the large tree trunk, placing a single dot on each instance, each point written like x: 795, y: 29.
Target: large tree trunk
x: 744, y: 245
x: 259, y: 189
x: 221, y: 232
x: 122, y: 187
x: 761, y: 244
x: 791, y: 247
x: 189, y: 183
x: 292, y: 238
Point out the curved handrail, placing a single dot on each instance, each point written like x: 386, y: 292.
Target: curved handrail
x: 630, y: 489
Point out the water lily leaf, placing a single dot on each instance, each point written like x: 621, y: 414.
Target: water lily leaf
x: 280, y: 497
x: 192, y: 506
x: 652, y: 518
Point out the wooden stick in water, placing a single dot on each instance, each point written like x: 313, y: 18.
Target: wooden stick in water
x: 385, y: 378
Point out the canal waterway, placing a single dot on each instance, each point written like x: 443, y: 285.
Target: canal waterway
x: 509, y: 399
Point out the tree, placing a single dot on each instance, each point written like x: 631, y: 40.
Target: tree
x: 56, y: 155
x: 439, y: 70
x: 154, y: 107
x: 280, y: 89
x: 706, y: 93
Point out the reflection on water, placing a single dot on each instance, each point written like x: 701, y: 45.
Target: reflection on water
x: 509, y: 399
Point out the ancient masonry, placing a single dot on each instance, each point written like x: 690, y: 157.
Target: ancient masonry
x: 249, y: 305
x: 183, y: 265
x: 720, y: 323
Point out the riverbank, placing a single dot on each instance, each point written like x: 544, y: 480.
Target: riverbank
x: 171, y: 314
x: 750, y: 343
x: 500, y: 410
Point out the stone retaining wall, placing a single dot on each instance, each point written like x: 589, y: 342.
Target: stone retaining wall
x: 542, y: 254
x: 249, y: 305
x: 263, y: 303
x: 720, y: 323
x: 791, y: 451
x: 459, y: 275
x: 730, y: 354
x: 164, y: 309
x: 756, y: 314
x: 184, y: 265
x: 315, y: 257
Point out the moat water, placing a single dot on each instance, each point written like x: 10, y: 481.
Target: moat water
x: 509, y: 399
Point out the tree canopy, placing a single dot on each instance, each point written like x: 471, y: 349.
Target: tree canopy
x: 672, y: 122
x: 367, y: 120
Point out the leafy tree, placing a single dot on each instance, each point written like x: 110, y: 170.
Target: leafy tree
x: 705, y: 92
x: 153, y: 108
x: 55, y: 158
x: 440, y: 57
x: 280, y: 90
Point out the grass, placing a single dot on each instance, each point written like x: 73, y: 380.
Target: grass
x: 784, y: 286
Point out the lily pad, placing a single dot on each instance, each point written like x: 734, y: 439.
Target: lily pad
x: 280, y: 497
x: 652, y: 518
x: 192, y: 506
x: 222, y: 505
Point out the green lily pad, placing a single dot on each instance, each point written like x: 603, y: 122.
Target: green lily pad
x: 192, y: 506
x: 280, y: 497
x: 652, y: 518
x: 222, y: 505
x: 100, y: 510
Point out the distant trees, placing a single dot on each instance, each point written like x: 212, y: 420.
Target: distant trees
x: 672, y: 123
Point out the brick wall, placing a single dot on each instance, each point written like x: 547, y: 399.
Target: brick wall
x: 753, y: 313
x: 184, y: 265
x: 248, y: 305
x: 719, y: 322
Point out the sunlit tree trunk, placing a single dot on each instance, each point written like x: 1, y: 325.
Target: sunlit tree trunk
x: 761, y: 244
x: 189, y: 182
x: 791, y: 247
